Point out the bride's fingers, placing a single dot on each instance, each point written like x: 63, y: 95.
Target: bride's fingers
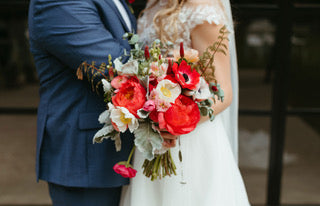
x: 169, y: 143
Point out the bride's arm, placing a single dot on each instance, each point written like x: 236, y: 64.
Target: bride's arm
x: 203, y: 36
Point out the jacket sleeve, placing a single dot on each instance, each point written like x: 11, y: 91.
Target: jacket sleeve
x: 73, y: 32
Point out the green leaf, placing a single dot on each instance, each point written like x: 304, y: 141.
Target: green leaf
x: 222, y: 51
x: 204, y: 111
x: 117, y: 141
x: 105, y: 133
x: 134, y: 39
x: 211, y: 115
x: 147, y: 140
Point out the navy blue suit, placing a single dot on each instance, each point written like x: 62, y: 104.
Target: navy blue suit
x: 63, y: 34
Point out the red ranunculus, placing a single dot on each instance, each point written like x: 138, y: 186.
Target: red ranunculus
x: 181, y: 118
x: 131, y: 95
x: 186, y: 77
x: 127, y: 172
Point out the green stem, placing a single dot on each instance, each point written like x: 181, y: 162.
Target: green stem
x: 130, y: 156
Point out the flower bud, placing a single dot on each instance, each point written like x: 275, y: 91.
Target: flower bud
x: 181, y: 50
x: 169, y: 70
x: 126, y: 172
x: 111, y: 73
x: 146, y: 53
x: 149, y: 106
x: 214, y: 88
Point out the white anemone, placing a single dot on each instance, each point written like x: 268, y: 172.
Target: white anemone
x: 124, y: 119
x: 129, y: 68
x: 168, y: 91
x: 202, y: 92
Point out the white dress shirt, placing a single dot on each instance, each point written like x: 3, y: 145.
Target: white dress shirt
x: 123, y: 13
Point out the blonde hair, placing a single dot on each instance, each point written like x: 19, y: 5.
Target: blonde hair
x: 168, y: 16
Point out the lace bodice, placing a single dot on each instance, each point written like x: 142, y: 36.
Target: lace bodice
x: 190, y: 15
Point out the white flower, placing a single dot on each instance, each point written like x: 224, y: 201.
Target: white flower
x: 124, y: 119
x: 129, y: 68
x: 118, y: 64
x: 202, y: 92
x: 104, y: 117
x: 168, y: 91
x: 106, y: 86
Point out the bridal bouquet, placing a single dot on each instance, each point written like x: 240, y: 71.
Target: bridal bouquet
x: 158, y: 89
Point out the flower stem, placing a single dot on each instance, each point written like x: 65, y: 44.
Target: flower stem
x: 130, y: 156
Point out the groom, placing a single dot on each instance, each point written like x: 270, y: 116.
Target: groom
x: 63, y: 34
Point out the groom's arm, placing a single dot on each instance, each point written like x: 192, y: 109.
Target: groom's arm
x: 73, y: 32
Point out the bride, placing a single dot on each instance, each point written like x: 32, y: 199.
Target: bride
x: 209, y: 174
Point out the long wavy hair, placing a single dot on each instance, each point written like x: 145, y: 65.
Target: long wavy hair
x: 168, y: 16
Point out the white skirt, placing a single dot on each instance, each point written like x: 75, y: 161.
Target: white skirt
x: 211, y: 174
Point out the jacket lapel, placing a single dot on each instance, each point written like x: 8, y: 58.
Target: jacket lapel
x: 131, y: 16
x: 115, y: 8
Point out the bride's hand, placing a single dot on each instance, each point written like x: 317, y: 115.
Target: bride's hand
x: 169, y: 140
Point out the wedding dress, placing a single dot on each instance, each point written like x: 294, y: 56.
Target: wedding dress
x: 209, y: 174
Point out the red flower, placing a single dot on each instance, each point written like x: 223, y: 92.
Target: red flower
x: 153, y: 84
x: 169, y: 70
x: 186, y: 77
x: 131, y: 1
x: 214, y: 88
x: 181, y: 50
x: 127, y: 172
x: 131, y: 95
x: 181, y: 118
x: 154, y: 116
x: 146, y: 53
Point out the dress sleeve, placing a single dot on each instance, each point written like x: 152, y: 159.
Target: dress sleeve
x: 193, y: 14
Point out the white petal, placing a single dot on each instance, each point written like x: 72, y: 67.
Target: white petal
x: 106, y: 86
x: 104, y: 117
x: 133, y: 125
x: 118, y: 64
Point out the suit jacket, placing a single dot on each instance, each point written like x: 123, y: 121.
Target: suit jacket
x: 63, y: 34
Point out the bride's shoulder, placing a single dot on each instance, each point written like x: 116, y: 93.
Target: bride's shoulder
x: 201, y: 11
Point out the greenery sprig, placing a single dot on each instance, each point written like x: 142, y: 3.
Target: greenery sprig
x: 206, y: 61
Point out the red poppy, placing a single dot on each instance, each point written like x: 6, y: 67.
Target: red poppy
x: 186, y: 77
x: 127, y: 172
x: 181, y: 118
x: 131, y: 95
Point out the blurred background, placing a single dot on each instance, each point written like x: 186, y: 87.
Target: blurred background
x: 278, y: 46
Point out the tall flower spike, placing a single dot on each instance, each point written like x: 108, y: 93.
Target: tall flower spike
x: 146, y: 53
x: 181, y: 50
x: 169, y: 70
x: 111, y: 73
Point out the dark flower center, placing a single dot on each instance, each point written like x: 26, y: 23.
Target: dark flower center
x: 186, y: 77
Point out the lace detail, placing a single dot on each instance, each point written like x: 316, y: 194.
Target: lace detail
x: 190, y: 15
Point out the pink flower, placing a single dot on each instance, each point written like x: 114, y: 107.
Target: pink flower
x: 118, y: 81
x: 127, y: 172
x: 162, y: 105
x: 149, y: 106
